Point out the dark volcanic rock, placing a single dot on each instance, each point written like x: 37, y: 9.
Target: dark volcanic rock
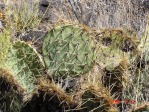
x: 145, y: 3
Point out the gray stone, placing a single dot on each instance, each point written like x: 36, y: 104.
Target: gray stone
x: 145, y: 3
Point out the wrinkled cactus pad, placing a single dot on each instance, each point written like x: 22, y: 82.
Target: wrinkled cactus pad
x: 24, y: 64
x: 114, y: 46
x: 68, y: 50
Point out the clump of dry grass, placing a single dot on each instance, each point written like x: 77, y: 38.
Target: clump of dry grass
x: 139, y: 87
x: 21, y: 15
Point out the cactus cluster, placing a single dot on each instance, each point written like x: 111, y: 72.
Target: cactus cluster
x: 72, y: 51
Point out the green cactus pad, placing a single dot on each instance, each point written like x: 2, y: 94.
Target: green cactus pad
x: 115, y: 46
x: 24, y: 64
x: 10, y: 99
x: 68, y: 50
x: 18, y: 75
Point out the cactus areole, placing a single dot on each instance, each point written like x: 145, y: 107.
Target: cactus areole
x: 68, y: 51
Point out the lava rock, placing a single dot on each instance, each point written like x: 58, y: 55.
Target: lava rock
x: 43, y: 9
x: 145, y: 3
x: 69, y: 85
x: 127, y: 46
x: 107, y: 41
x: 32, y: 35
x: 2, y: 6
x: 44, y: 3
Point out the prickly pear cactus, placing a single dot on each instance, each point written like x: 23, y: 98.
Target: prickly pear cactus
x: 68, y: 50
x: 24, y: 65
x: 114, y: 46
x: 92, y: 100
x: 10, y: 99
x: 49, y: 98
x: 4, y: 44
x: 117, y: 52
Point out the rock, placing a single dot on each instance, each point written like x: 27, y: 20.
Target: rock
x: 145, y: 3
x: 70, y: 84
x: 44, y: 3
x: 2, y: 6
x: 32, y: 35
x: 43, y: 9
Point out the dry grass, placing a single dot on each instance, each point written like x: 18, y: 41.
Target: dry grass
x: 100, y: 13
